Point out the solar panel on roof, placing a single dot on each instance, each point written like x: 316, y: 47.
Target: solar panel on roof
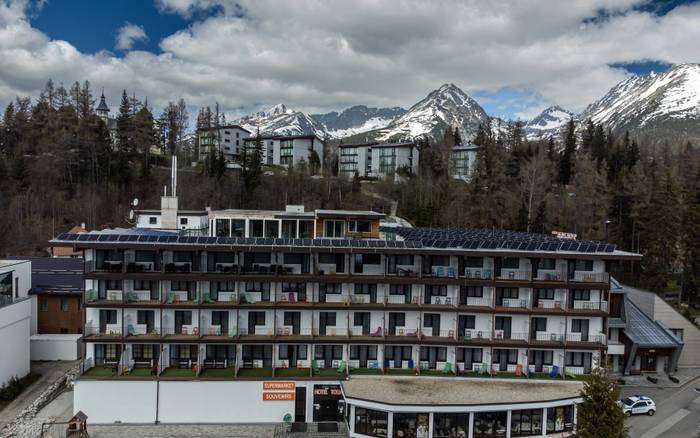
x: 163, y: 239
x: 92, y: 237
x: 68, y: 236
x: 609, y: 248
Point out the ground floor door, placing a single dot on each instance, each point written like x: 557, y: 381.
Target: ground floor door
x: 328, y: 403
x: 648, y: 361
x: 300, y: 404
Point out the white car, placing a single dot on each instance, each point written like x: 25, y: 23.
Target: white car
x: 638, y: 404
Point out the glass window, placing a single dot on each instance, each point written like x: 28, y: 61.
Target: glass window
x: 223, y: 228
x: 237, y: 228
x: 256, y: 227
x: 584, y: 265
x: 365, y: 288
x: 410, y: 425
x: 360, y: 226
x: 526, y: 422
x: 511, y: 263
x: 153, y: 220
x: 450, y: 425
x: 490, y: 424
x: 256, y: 286
x: 400, y: 289
x: 334, y: 229
x: 404, y: 260
x: 272, y: 228
x: 5, y: 288
x: 370, y: 422
x: 331, y: 288
x: 306, y: 229
x: 44, y: 304
x: 582, y: 294
x: 371, y: 259
x: 548, y: 264
x: 560, y: 419
x: 544, y: 294
x: 65, y: 304
x: 473, y: 262
x: 289, y: 228
x: 440, y: 260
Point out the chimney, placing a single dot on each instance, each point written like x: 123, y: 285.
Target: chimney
x: 169, y: 204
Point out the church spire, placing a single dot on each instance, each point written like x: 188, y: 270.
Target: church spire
x: 102, y: 108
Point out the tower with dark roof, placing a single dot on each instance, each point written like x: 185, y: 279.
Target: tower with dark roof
x: 102, y: 109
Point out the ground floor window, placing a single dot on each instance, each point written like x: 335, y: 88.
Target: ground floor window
x: 450, y: 425
x: 526, y: 422
x: 490, y: 424
x: 469, y: 356
x: 410, y: 425
x: 560, y: 419
x: 371, y: 422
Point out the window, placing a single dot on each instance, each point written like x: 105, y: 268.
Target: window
x: 410, y: 424
x: 306, y: 229
x: 226, y: 286
x: 289, y: 229
x: 371, y: 259
x: 439, y: 290
x: 369, y: 350
x: 560, y: 419
x: 183, y: 221
x: 179, y: 285
x: 576, y: 358
x: 256, y: 318
x: 438, y: 354
x: 582, y: 294
x: 473, y: 262
x: 323, y: 351
x: 440, y: 260
x: 365, y: 289
x: 511, y: 263
x: 400, y: 289
x: 44, y: 304
x: 272, y: 228
x: 64, y: 331
x: 469, y: 356
x: 450, y: 425
x: 370, y: 422
x: 223, y: 228
x: 467, y: 322
x: 329, y: 317
x: 142, y: 351
x: 526, y: 422
x: 544, y: 294
x: 548, y: 264
x: 360, y: 226
x: 153, y: 220
x: 331, y: 288
x: 333, y: 229
x: 584, y: 265
x: 509, y: 355
x: 237, y: 227
x: 678, y: 333
x: 257, y: 286
x: 302, y: 352
x: 398, y: 353
x: 509, y: 292
x: 490, y: 424
x: 539, y: 324
x: 472, y: 291
x: 251, y: 258
x: 431, y: 320
x: 142, y: 285
x: 291, y: 258
x: 256, y: 227
x: 404, y: 260
x: 65, y: 304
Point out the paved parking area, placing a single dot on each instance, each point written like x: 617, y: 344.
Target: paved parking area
x: 182, y: 431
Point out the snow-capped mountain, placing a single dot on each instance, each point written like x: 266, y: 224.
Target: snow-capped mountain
x: 448, y: 106
x: 662, y: 106
x: 280, y: 120
x: 548, y: 123
x: 357, y: 119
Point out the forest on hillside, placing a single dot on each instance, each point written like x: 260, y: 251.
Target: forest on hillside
x: 59, y: 167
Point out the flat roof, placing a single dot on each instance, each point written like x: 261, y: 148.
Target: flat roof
x: 212, y: 128
x: 8, y: 263
x: 179, y: 212
x: 57, y: 275
x: 454, y: 391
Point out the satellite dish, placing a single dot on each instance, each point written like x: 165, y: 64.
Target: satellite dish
x: 135, y: 202
x: 131, y: 215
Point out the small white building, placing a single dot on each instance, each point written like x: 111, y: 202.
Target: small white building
x: 376, y: 160
x: 229, y: 140
x: 463, y: 161
x: 288, y: 150
x: 16, y: 321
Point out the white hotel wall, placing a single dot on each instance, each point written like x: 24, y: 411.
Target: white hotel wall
x: 107, y: 401
x: 15, y: 327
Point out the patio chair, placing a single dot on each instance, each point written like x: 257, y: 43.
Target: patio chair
x: 207, y: 299
x: 555, y: 371
x: 170, y: 298
x: 447, y: 369
x: 484, y: 369
x: 519, y: 370
x: 440, y: 272
x: 314, y: 366
x: 448, y: 300
x: 377, y: 332
x: 92, y: 295
x: 342, y: 367
x: 467, y: 335
x: 292, y: 298
x: 411, y: 364
x: 451, y: 272
x: 131, y: 297
x: 232, y: 332
x: 130, y: 330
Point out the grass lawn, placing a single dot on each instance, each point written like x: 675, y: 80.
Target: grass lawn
x: 435, y: 373
x: 365, y: 371
x: 255, y: 372
x: 292, y: 372
x: 140, y: 372
x: 100, y: 372
x: 400, y: 371
x: 219, y: 372
x: 12, y: 390
x: 177, y: 372
x: 328, y: 372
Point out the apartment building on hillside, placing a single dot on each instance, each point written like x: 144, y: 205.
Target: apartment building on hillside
x: 288, y: 150
x: 377, y: 160
x: 310, y: 298
x: 227, y: 140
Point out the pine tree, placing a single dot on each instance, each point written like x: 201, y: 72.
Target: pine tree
x: 566, y: 158
x: 598, y: 415
x: 125, y: 126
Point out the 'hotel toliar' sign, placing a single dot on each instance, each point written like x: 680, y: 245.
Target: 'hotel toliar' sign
x: 275, y: 391
x: 563, y: 235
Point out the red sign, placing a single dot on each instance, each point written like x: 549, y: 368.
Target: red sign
x: 276, y: 396
x: 278, y: 386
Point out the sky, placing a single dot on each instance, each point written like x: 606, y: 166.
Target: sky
x: 515, y: 57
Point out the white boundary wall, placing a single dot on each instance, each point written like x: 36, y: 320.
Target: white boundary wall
x: 15, y: 325
x: 55, y: 347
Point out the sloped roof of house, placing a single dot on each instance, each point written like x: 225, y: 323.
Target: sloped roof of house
x: 644, y: 331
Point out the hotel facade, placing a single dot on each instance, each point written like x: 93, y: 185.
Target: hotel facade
x: 294, y: 312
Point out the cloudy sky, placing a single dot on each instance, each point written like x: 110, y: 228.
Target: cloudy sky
x: 515, y: 57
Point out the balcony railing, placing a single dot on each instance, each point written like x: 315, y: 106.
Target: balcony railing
x: 141, y: 330
x: 548, y: 337
x: 184, y: 330
x: 476, y: 335
x: 515, y: 274
x: 591, y: 339
x: 591, y: 277
x: 549, y: 304
x: 551, y: 275
x: 513, y: 336
x: 107, y: 330
x: 478, y: 301
x: 520, y: 303
x: 478, y: 273
x: 291, y: 297
x: 590, y: 305
x: 289, y: 331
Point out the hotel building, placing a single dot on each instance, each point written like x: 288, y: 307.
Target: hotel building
x: 299, y: 312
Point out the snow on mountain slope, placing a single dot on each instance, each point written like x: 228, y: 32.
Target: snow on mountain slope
x: 448, y: 106
x: 280, y: 120
x: 548, y: 122
x: 657, y: 101
x: 357, y: 119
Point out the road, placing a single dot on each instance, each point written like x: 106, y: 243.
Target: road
x: 677, y: 415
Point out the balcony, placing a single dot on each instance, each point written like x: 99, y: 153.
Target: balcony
x: 501, y: 335
x: 590, y: 277
x: 471, y: 335
x: 429, y: 332
x: 109, y: 296
x: 113, y: 265
x: 442, y: 272
x: 515, y: 303
x: 142, y: 331
x: 552, y: 275
x: 589, y: 305
x: 478, y: 302
x: 580, y: 338
x: 478, y: 273
x: 138, y: 267
x: 111, y: 331
x: 291, y: 297
x: 547, y: 338
x: 179, y: 297
x: 401, y: 299
x: 183, y: 332
x: 366, y: 332
x: 515, y: 274
x: 141, y: 297
x: 290, y: 331
x: 220, y: 298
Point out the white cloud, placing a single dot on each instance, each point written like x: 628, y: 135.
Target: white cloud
x: 325, y: 55
x: 129, y: 34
